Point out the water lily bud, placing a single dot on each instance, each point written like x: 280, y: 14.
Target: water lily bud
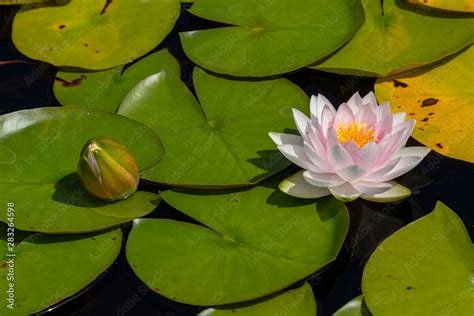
x: 107, y: 169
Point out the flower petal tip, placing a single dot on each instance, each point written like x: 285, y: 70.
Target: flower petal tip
x: 274, y: 137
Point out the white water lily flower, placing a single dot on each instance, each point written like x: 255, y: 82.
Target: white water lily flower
x: 353, y: 152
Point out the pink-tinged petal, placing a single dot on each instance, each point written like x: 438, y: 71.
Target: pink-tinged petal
x: 370, y: 99
x: 355, y: 103
x: 297, y: 155
x: 406, y: 129
x: 384, y: 127
x: 352, y: 149
x: 345, y: 192
x: 298, y: 187
x: 384, y: 144
x: 366, y: 187
x: 339, y: 157
x: 351, y: 173
x: 366, y: 116
x: 318, y: 160
x: 406, y: 164
x: 368, y: 155
x: 327, y: 120
x: 363, y: 157
x: 399, y: 118
x: 332, y: 139
x: 318, y: 131
x: 408, y: 158
x: 382, y: 111
x: 321, y: 103
x: 398, y: 140
x: 324, y: 180
x: 313, y: 137
x: 301, y: 120
x: 280, y: 139
x: 344, y: 115
x: 378, y: 173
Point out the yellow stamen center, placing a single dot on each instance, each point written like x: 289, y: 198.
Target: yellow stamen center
x: 359, y: 133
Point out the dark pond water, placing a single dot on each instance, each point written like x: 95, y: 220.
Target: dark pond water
x: 120, y: 292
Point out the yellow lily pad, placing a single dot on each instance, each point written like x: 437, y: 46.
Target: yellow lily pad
x: 441, y: 99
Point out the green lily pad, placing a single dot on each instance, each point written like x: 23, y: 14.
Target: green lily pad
x: 93, y: 34
x: 449, y: 5
x: 269, y: 37
x: 106, y: 89
x: 398, y: 37
x: 425, y: 268
x: 51, y: 268
x: 255, y: 242
x: 221, y: 141
x: 40, y: 149
x: 297, y: 302
x: 355, y: 307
